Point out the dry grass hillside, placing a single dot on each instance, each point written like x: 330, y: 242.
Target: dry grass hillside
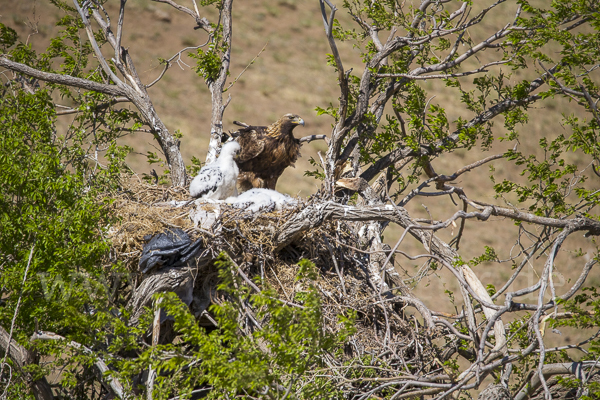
x: 291, y: 75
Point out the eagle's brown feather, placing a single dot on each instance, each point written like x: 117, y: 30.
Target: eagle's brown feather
x: 266, y: 151
x: 252, y: 145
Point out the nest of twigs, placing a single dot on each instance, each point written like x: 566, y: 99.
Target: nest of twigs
x: 247, y: 237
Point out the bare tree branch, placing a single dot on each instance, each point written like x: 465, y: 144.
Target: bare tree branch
x: 310, y: 138
x: 136, y: 92
x: 85, y: 84
x: 114, y: 383
x: 313, y: 215
x: 22, y: 358
x: 548, y: 370
x: 202, y: 23
x: 216, y: 87
x: 90, y: 33
x: 411, y: 76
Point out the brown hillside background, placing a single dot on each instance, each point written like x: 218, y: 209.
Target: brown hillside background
x: 291, y: 75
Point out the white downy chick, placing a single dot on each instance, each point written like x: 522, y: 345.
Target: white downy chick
x: 261, y: 200
x: 217, y: 180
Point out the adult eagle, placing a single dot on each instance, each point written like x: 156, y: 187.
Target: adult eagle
x: 266, y: 151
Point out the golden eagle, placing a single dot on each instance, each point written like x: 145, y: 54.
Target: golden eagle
x: 266, y: 151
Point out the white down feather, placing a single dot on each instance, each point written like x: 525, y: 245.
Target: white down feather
x: 217, y: 180
x: 261, y: 200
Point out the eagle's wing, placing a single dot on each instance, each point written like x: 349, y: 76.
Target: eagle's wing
x: 252, y: 143
x: 207, y: 181
x: 247, y: 129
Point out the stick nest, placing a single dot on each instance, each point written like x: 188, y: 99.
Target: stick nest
x: 145, y: 210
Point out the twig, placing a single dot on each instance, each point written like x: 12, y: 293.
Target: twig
x: 115, y: 384
x: 97, y: 51
x: 337, y: 269
x: 120, y: 30
x: 310, y: 138
x: 202, y: 23
x: 548, y: 370
x: 444, y: 178
x: 85, y: 84
x: 256, y: 288
x: 461, y: 229
x: 168, y: 62
x: 12, y: 324
x: 444, y: 76
x: 247, y: 66
x: 155, y: 336
x: 69, y: 110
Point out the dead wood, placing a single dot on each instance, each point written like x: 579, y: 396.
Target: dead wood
x: 495, y: 392
x: 115, y: 385
x: 21, y: 357
x: 254, y: 241
x: 356, y: 271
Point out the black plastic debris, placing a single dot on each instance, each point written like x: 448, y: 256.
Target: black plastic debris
x: 172, y: 248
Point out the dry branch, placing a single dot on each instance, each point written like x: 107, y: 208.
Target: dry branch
x: 356, y: 269
x: 134, y: 91
x: 280, y: 239
x: 22, y: 358
x: 114, y: 383
x: 314, y: 215
x: 475, y: 283
x: 217, y: 86
x: 112, y: 90
x: 202, y: 23
x: 575, y: 369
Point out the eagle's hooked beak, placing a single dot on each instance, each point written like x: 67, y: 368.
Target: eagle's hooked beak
x: 299, y: 121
